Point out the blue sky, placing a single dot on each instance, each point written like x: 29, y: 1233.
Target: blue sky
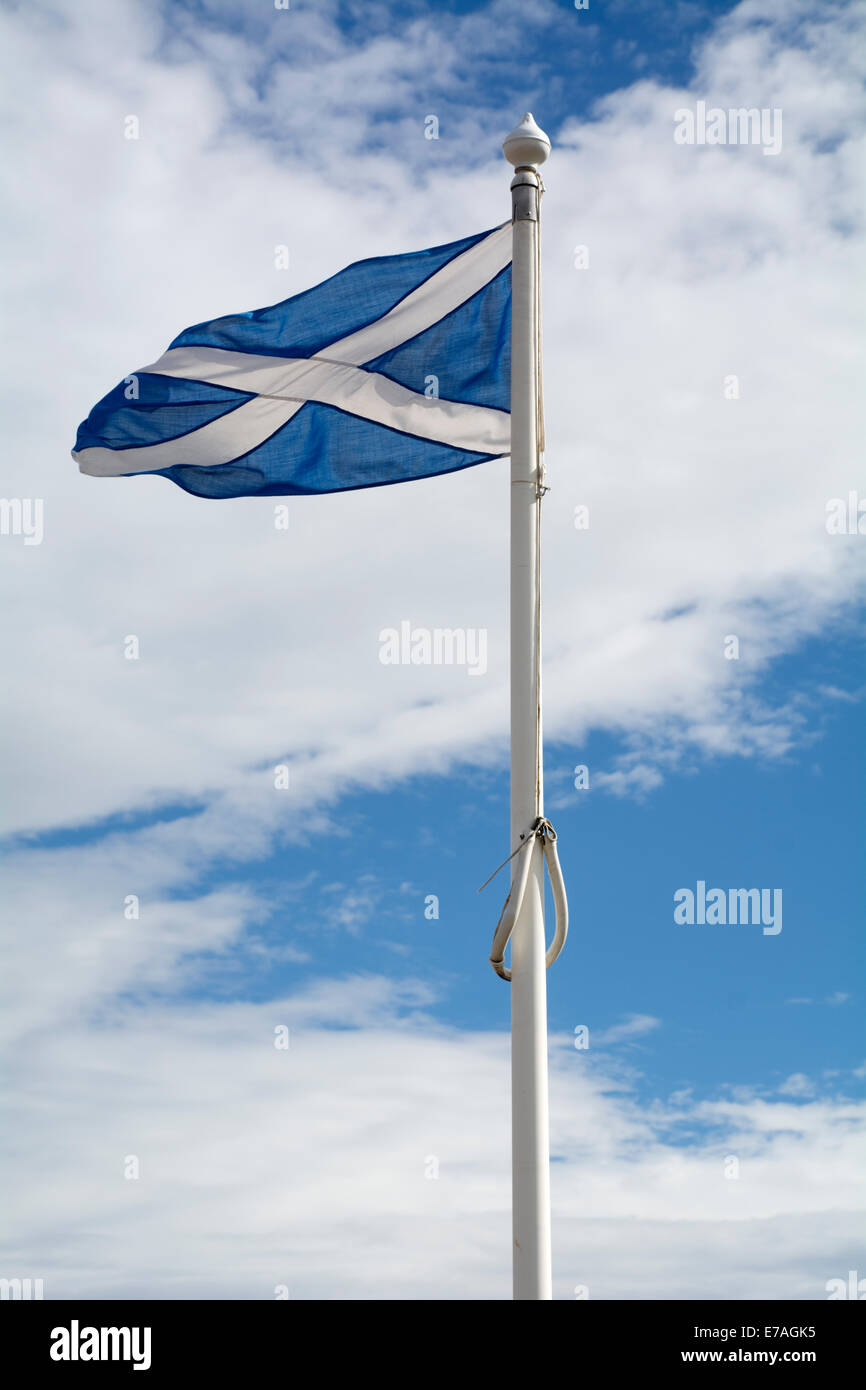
x: 260, y: 907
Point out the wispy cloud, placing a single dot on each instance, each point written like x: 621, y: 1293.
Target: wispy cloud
x: 256, y: 1160
x: 637, y: 1026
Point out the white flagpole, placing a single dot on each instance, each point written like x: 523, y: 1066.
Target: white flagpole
x: 526, y: 148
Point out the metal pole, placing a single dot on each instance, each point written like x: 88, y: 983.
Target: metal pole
x: 526, y: 148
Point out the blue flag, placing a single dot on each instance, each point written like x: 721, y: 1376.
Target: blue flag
x: 395, y: 368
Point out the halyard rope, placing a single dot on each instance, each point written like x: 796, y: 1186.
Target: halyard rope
x: 541, y: 829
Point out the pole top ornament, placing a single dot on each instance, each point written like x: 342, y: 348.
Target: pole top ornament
x: 527, y: 144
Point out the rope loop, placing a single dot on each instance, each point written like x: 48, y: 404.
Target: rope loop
x: 541, y: 830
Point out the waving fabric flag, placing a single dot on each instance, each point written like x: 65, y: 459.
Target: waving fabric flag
x: 395, y: 368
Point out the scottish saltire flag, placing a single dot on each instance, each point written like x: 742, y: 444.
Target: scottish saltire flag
x: 395, y: 368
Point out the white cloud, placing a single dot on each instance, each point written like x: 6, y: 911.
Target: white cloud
x: 306, y: 1167
x: 834, y: 1000
x: 637, y: 779
x: 258, y: 645
x: 634, y: 1027
x: 797, y: 1084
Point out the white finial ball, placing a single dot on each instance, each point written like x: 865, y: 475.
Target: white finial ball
x: 527, y: 143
